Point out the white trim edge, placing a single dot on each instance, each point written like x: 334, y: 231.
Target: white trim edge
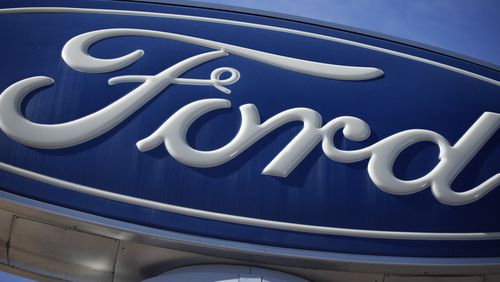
x: 398, y: 235
x: 246, y: 24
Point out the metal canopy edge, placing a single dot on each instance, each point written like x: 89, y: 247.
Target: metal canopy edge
x: 127, y: 232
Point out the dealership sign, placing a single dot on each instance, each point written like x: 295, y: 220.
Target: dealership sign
x: 339, y: 140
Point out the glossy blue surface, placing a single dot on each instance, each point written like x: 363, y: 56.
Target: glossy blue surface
x: 464, y: 27
x: 318, y: 192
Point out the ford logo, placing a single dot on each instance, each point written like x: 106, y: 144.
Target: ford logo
x: 288, y: 129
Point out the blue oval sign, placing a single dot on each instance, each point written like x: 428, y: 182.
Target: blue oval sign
x: 251, y: 129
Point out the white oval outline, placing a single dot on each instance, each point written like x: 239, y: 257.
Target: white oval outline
x: 399, y: 235
x: 246, y: 24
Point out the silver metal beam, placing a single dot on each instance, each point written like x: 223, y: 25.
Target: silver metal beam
x: 66, y: 244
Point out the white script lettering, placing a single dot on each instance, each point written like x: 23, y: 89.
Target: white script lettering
x: 172, y: 133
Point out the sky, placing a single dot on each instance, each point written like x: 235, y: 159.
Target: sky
x: 469, y: 27
x: 7, y: 277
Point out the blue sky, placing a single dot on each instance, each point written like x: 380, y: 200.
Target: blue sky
x: 4, y: 276
x: 467, y: 27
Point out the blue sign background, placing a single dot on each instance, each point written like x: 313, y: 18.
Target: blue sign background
x: 318, y: 192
